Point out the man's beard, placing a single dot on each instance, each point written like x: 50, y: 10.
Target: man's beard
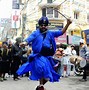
x: 43, y: 29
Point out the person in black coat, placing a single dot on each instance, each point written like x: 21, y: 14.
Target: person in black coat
x: 4, y: 63
x: 16, y: 59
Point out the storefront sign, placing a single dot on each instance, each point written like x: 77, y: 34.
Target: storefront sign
x: 61, y: 39
x: 74, y: 39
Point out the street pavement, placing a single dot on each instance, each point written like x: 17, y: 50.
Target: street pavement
x: 70, y: 83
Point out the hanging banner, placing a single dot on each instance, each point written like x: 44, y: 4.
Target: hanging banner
x: 15, y: 4
x: 15, y: 18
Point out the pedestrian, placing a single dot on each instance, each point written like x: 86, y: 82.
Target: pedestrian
x: 1, y: 79
x: 58, y: 57
x: 10, y: 54
x: 4, y: 63
x: 73, y: 51
x: 66, y: 65
x: 74, y: 54
x: 43, y: 48
x: 23, y: 56
x: 16, y: 58
x: 82, y: 52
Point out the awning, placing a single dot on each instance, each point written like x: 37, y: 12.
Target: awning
x: 76, y: 30
x: 86, y: 31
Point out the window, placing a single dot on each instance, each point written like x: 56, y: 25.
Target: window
x: 88, y: 18
x: 44, y: 12
x: 49, y: 1
x: 56, y: 13
x: 50, y: 12
x: 76, y: 15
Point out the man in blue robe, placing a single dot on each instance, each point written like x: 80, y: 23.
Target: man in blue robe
x: 40, y: 62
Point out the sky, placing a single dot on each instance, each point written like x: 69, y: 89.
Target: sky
x: 5, y: 8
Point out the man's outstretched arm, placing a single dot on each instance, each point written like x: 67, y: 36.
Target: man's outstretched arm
x: 67, y: 25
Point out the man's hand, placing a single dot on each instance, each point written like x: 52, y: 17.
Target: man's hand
x: 69, y: 21
x: 23, y: 43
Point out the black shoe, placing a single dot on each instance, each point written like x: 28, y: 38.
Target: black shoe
x: 83, y: 80
x: 37, y: 88
x: 15, y: 79
x: 4, y: 79
x: 18, y: 78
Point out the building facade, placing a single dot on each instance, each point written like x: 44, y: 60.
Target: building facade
x: 54, y: 10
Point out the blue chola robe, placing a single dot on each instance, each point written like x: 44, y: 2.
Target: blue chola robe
x: 41, y: 66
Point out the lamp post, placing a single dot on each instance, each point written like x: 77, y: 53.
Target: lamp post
x: 23, y: 25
